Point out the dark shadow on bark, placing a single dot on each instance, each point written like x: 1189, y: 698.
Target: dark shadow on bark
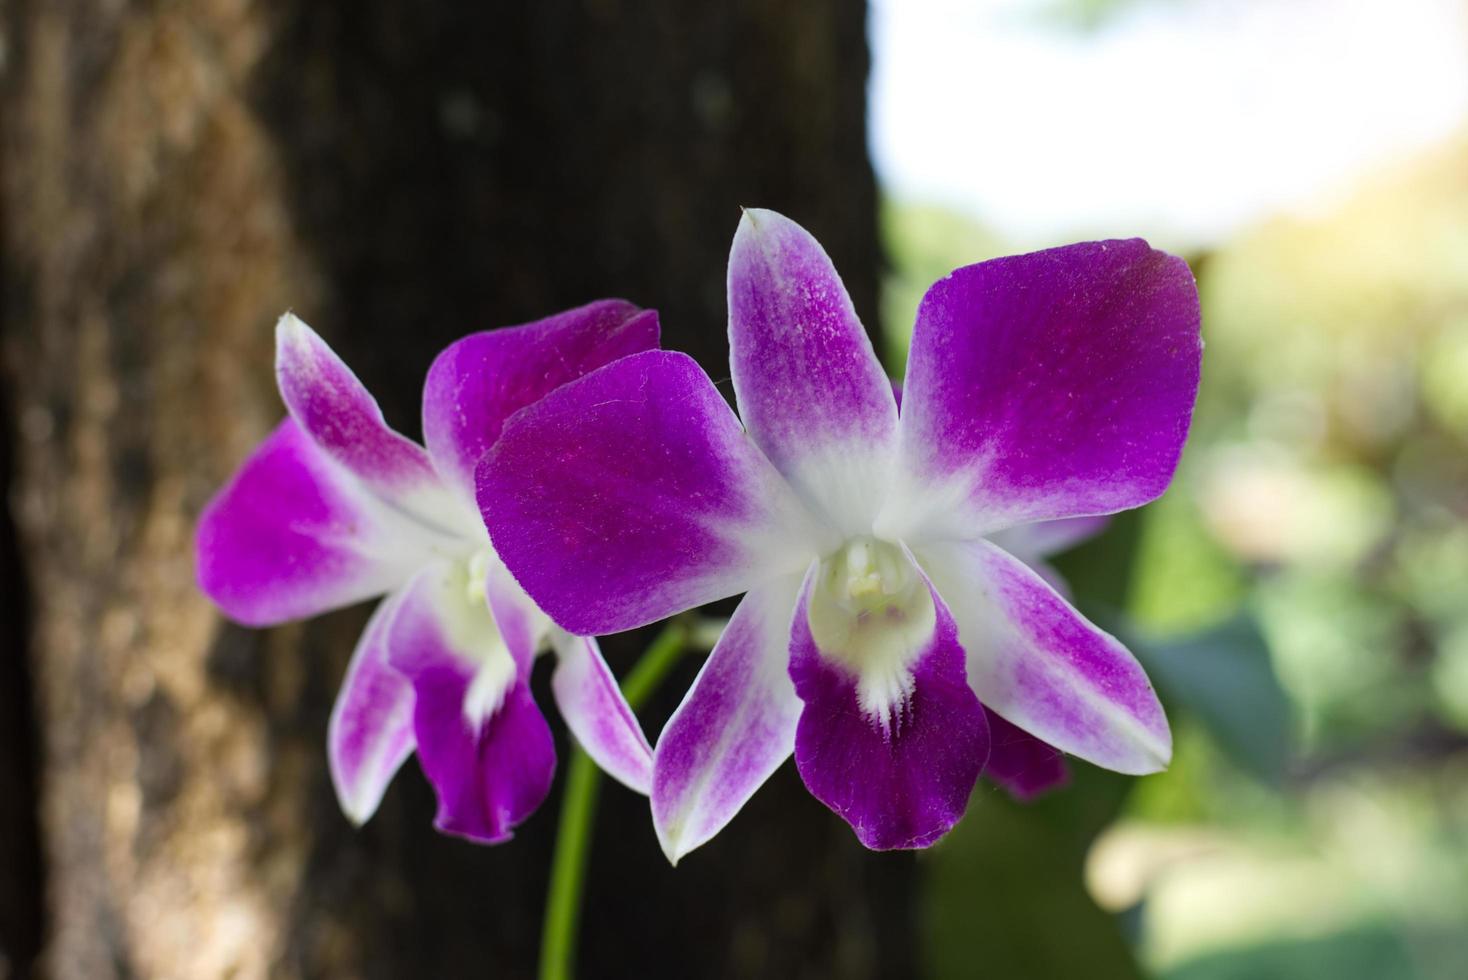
x: 21, y: 873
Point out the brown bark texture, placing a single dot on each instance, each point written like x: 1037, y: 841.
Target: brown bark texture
x: 176, y: 175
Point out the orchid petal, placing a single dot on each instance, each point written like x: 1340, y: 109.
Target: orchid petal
x: 371, y: 728
x: 328, y: 401
x: 294, y: 534
x: 1056, y: 384
x: 735, y: 726
x: 597, y: 714
x: 480, y: 381
x: 901, y: 779
x: 810, y: 388
x: 521, y: 624
x: 1035, y: 661
x: 632, y: 494
x: 482, y: 742
x: 1025, y: 766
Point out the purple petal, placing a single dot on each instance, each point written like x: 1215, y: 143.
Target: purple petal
x: 1056, y: 384
x: 371, y: 729
x: 294, y: 534
x: 1021, y: 763
x: 734, y: 727
x: 1038, y: 663
x: 482, y: 742
x: 633, y: 494
x: 810, y: 388
x: 480, y: 381
x: 331, y: 405
x: 490, y: 778
x: 597, y: 714
x: 899, y: 784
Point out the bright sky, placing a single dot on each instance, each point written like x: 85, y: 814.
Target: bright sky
x: 1180, y: 120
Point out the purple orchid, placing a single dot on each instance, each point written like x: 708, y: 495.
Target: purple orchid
x: 881, y: 623
x: 336, y: 507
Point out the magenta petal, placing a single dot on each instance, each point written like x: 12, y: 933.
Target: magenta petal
x: 293, y: 534
x: 734, y: 728
x: 1056, y: 384
x: 902, y: 788
x: 1021, y: 763
x: 490, y: 778
x: 371, y: 729
x: 489, y: 755
x: 810, y: 388
x: 597, y: 714
x: 1037, y: 662
x: 332, y: 406
x: 632, y: 494
x: 480, y: 381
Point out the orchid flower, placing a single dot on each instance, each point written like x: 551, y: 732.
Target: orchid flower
x: 336, y: 507
x: 880, y: 620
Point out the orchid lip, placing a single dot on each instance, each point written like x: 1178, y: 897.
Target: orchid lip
x: 486, y: 692
x: 871, y: 613
x: 493, y: 666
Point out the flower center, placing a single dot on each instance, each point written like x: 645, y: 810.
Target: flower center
x: 477, y: 576
x: 494, y: 668
x: 871, y: 613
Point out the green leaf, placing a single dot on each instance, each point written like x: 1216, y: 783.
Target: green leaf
x: 1225, y: 679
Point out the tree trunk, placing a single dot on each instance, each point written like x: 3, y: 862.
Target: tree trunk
x: 177, y: 175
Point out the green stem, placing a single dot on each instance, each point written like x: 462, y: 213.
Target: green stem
x: 655, y: 663
x: 578, y: 809
x: 568, y: 869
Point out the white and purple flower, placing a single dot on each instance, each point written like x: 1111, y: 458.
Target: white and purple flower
x: 336, y: 507
x: 884, y: 637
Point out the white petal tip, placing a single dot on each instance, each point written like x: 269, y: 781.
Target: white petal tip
x: 357, y: 812
x: 639, y: 785
x: 294, y: 339
x: 671, y: 852
x: 670, y: 839
x: 759, y: 219
x: 291, y: 328
x: 357, y: 804
x: 1152, y: 757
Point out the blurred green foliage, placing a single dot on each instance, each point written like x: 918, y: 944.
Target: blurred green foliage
x: 1374, y: 953
x: 1005, y: 893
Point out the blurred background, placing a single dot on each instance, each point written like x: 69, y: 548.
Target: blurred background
x: 175, y: 175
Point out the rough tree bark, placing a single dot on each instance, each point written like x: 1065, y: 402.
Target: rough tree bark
x: 178, y: 174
